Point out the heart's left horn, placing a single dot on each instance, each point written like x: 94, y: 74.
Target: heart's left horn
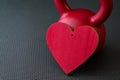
x: 62, y: 6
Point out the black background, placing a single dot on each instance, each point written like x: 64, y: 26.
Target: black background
x: 24, y: 54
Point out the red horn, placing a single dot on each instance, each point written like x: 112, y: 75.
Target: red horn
x: 103, y: 13
x: 62, y: 6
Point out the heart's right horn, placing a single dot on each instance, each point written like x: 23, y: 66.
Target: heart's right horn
x: 103, y: 13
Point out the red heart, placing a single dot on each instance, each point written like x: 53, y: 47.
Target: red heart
x: 71, y: 48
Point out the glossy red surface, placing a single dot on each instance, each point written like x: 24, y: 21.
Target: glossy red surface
x: 96, y: 19
x: 68, y: 50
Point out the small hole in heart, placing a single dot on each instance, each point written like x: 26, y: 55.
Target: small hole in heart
x: 72, y: 29
x: 72, y: 34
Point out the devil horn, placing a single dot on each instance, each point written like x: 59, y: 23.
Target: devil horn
x: 62, y: 6
x: 103, y: 13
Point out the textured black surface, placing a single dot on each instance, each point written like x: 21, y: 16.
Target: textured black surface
x: 24, y: 54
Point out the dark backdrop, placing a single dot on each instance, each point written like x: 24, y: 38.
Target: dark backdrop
x: 24, y: 54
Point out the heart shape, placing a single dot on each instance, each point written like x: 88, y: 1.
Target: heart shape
x: 71, y: 48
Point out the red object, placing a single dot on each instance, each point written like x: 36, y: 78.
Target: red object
x: 71, y: 49
x: 77, y: 34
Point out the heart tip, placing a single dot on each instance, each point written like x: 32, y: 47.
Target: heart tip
x: 68, y: 72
